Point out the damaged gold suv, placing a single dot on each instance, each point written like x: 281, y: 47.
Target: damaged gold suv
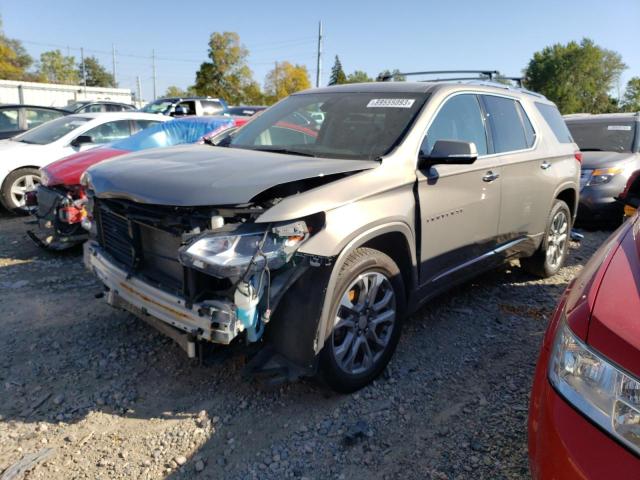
x: 314, y: 229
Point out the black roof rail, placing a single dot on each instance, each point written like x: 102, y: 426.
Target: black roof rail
x: 487, y: 73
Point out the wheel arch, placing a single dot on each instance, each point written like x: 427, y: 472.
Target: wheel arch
x: 569, y: 195
x: 395, y: 240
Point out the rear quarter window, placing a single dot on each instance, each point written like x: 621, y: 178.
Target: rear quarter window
x: 552, y: 116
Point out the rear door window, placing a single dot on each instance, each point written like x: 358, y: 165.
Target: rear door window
x: 9, y: 120
x: 552, y: 116
x: 507, y: 129
x: 460, y: 119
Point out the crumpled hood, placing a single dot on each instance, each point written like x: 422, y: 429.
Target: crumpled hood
x: 592, y: 160
x: 199, y: 175
x: 67, y: 171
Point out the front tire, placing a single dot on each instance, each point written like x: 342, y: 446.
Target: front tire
x: 367, y: 308
x: 550, y: 257
x: 15, y: 187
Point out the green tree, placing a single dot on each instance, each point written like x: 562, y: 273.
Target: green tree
x: 58, y: 68
x: 359, y: 76
x: 227, y: 75
x: 252, y: 95
x: 14, y: 59
x: 576, y: 76
x: 174, y: 91
x: 338, y: 76
x: 632, y: 95
x: 395, y: 75
x: 97, y: 75
x: 284, y: 80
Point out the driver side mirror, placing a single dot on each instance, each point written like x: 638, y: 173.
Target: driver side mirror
x: 81, y: 140
x: 449, y: 152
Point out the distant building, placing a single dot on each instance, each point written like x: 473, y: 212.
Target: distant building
x: 54, y: 95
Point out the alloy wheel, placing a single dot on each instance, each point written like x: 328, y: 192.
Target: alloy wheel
x: 21, y: 186
x: 557, y: 239
x: 364, y: 323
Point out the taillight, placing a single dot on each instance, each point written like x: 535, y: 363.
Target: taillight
x: 31, y: 198
x: 578, y: 156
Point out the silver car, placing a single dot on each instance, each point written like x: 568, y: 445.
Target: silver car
x: 315, y: 228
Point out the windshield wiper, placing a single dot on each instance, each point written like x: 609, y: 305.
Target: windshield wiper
x: 286, y: 151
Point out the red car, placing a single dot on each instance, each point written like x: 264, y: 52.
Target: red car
x: 58, y: 203
x: 584, y: 417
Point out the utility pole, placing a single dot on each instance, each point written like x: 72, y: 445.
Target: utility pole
x: 113, y: 56
x: 139, y: 99
x: 153, y: 64
x: 84, y: 70
x: 276, y: 79
x: 319, y: 64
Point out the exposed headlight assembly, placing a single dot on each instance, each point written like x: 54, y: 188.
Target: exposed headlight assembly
x: 601, y: 391
x: 232, y: 254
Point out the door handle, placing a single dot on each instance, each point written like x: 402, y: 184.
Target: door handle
x: 545, y: 165
x: 490, y: 176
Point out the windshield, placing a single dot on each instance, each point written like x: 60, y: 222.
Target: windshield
x: 51, y: 131
x: 359, y: 126
x: 159, y: 106
x: 173, y: 132
x: 606, y: 136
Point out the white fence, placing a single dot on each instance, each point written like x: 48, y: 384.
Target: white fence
x: 53, y: 95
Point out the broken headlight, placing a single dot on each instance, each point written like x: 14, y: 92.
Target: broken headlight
x: 232, y: 254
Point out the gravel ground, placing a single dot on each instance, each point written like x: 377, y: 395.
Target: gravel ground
x: 111, y: 398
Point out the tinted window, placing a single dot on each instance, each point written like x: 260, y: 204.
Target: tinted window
x: 459, y: 119
x: 555, y: 121
x: 53, y: 130
x: 92, y: 108
x: 211, y: 107
x: 113, y: 107
x: 529, y: 132
x: 110, y: 131
x: 9, y: 120
x: 506, y: 126
x: 189, y: 107
x: 36, y: 117
x: 606, y: 136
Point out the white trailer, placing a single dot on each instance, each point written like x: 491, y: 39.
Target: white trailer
x: 53, y: 95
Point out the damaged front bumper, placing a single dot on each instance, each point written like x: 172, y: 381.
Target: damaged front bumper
x: 212, y: 320
x: 52, y: 234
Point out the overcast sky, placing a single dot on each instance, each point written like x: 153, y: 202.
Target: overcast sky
x: 367, y: 35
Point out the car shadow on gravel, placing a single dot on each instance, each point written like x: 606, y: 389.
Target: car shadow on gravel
x: 112, y: 395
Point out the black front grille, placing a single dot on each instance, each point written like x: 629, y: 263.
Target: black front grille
x: 115, y: 236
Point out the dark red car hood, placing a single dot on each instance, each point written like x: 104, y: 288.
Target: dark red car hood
x: 614, y: 329
x: 67, y: 171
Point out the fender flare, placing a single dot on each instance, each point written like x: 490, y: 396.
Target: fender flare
x: 324, y: 324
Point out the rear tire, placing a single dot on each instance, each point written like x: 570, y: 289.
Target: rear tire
x: 366, y: 310
x: 14, y: 187
x: 550, y: 257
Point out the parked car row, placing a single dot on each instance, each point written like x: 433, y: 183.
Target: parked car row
x: 311, y: 231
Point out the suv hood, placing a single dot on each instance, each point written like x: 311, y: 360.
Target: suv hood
x: 201, y: 175
x: 592, y: 160
x: 614, y: 329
